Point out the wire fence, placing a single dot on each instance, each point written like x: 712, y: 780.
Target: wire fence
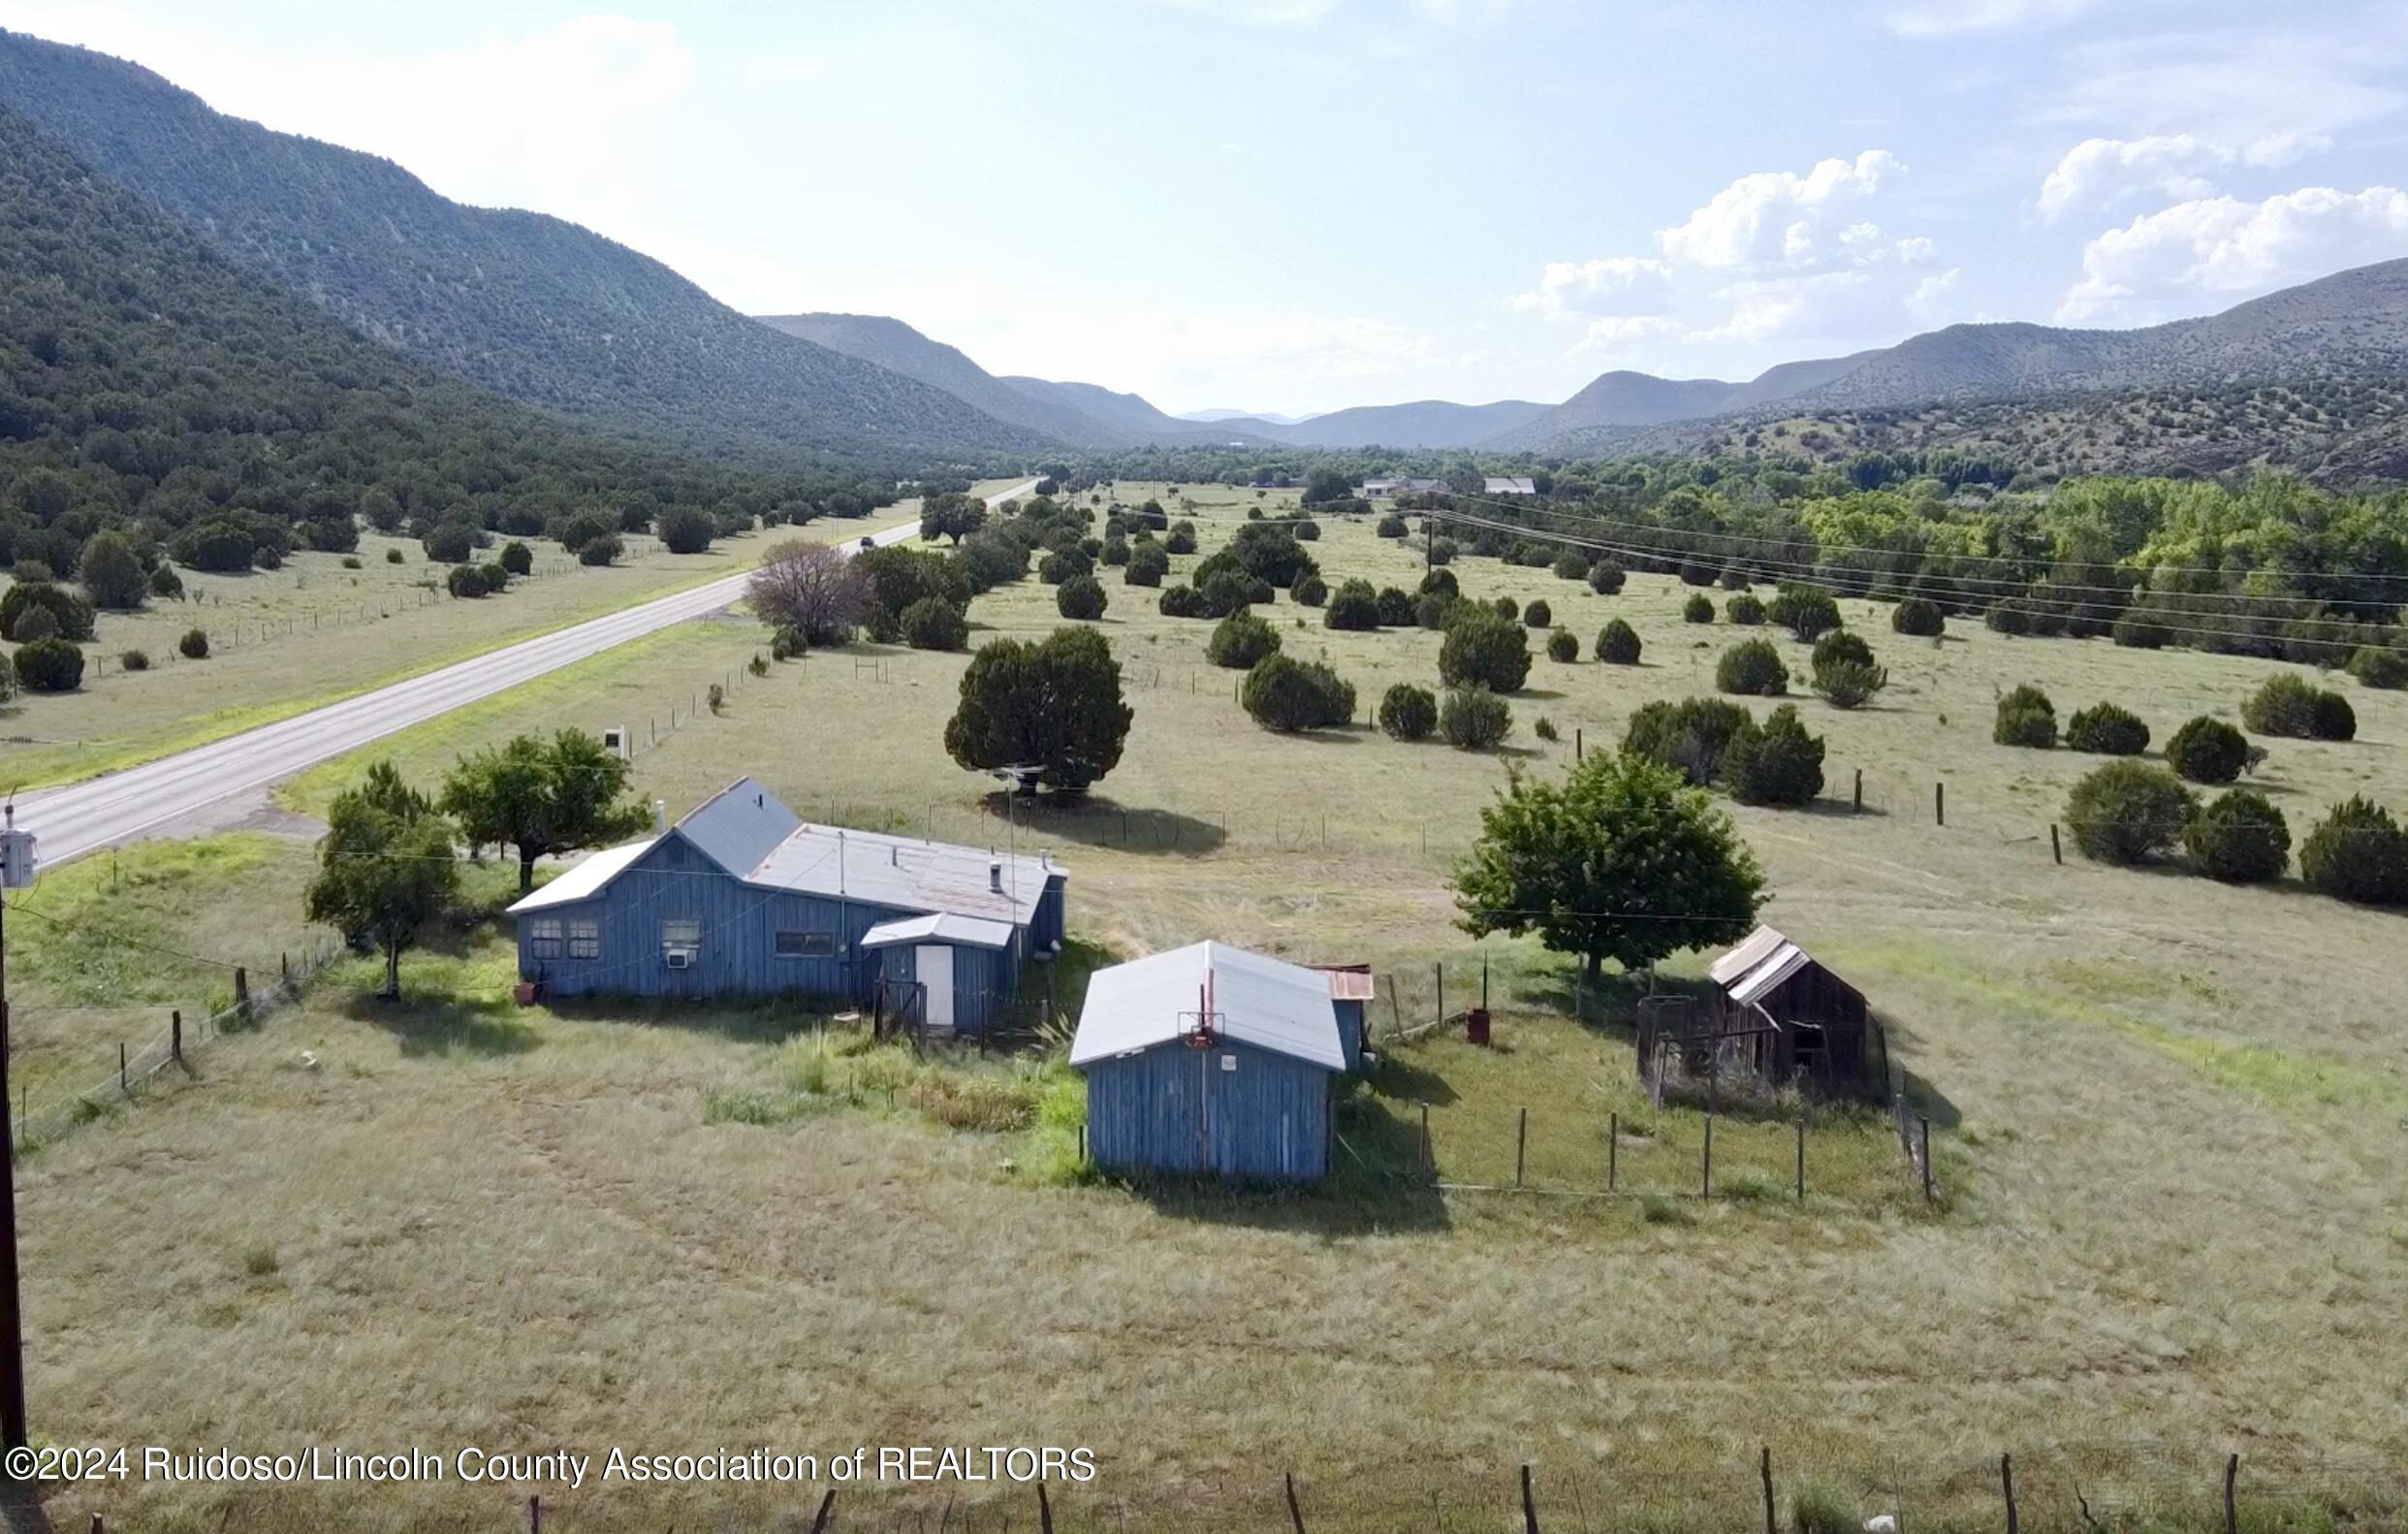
x: 172, y: 1045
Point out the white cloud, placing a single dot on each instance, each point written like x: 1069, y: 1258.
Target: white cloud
x: 1621, y: 335
x: 2100, y: 173
x: 2238, y: 85
x: 1775, y: 215
x: 1950, y: 18
x: 1609, y: 285
x: 2224, y: 248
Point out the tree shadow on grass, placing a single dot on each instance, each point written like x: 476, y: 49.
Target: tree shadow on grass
x: 1097, y: 820
x: 1375, y: 1183
x: 443, y: 1027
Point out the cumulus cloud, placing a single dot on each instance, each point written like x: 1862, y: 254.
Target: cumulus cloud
x: 1775, y: 215
x: 2100, y: 173
x: 1617, y: 285
x: 2224, y: 248
x: 1950, y: 18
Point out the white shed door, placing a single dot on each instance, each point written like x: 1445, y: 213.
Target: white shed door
x: 934, y: 964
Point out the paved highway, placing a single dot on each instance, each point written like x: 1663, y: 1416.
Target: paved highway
x: 120, y: 807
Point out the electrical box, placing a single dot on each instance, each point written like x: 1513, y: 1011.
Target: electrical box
x: 17, y: 859
x: 615, y: 741
x: 1228, y: 1062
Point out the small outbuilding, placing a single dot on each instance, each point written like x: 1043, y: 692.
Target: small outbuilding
x: 1210, y: 1060
x: 1349, y: 993
x: 1797, y: 1018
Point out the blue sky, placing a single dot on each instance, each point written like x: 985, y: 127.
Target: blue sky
x: 1298, y: 205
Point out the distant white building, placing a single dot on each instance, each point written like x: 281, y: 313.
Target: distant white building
x: 1493, y: 486
x: 1388, y: 488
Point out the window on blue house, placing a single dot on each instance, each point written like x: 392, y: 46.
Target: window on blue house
x: 807, y: 945
x: 584, y: 939
x: 680, y: 933
x: 543, y: 939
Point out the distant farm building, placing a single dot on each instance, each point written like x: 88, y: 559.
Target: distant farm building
x: 1209, y: 1060
x: 1388, y: 489
x: 1795, y: 1018
x: 743, y: 898
x: 1493, y: 486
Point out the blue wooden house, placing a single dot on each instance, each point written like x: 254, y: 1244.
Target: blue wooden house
x: 744, y: 898
x: 1210, y: 1060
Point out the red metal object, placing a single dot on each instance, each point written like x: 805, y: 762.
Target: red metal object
x: 524, y: 992
x: 1476, y: 1026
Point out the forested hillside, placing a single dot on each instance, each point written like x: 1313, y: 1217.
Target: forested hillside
x: 528, y: 305
x: 147, y: 380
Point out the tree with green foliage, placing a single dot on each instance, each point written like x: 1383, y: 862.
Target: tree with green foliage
x: 1485, y: 647
x: 1561, y: 647
x: 2128, y: 811
x: 1240, y: 640
x: 71, y: 616
x: 686, y: 529
x: 1698, y: 608
x: 1539, y: 614
x: 1148, y: 563
x: 1354, y: 608
x: 2285, y: 704
x: 1326, y: 484
x: 2206, y: 750
x: 2239, y: 838
x: 1618, y: 644
x: 1473, y: 718
x: 542, y: 797
x: 1807, y: 612
x: 385, y: 868
x: 1621, y: 861
x: 2358, y: 852
x: 113, y: 576
x: 1082, y: 597
x: 1408, y: 712
x: 951, y: 515
x: 934, y: 624
x: 1777, y: 762
x: 599, y: 552
x: 2380, y: 666
x: 1605, y: 578
x: 1310, y: 589
x: 1390, y: 525
x: 2107, y: 729
x: 1690, y: 736
x: 1051, y: 712
x: 50, y: 666
x: 1746, y: 610
x: 1919, y: 617
x: 1285, y: 695
x: 1752, y: 668
x: 518, y: 559
x: 2025, y: 718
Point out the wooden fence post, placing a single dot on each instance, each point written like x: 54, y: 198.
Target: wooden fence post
x: 826, y: 1506
x: 1940, y: 803
x: 1928, y: 1193
x: 242, y: 989
x: 1765, y: 1468
x: 1613, y: 1148
x: 1429, y: 1162
x: 1529, y: 1505
x: 1521, y: 1144
x: 1705, y: 1174
x: 2056, y: 849
x: 2006, y: 1486
x: 1295, y: 1515
x: 1801, y: 1157
x: 534, y: 1514
x: 1045, y: 1511
x: 1439, y: 970
x: 2231, y: 1472
x: 123, y: 1085
x: 1859, y: 789
x: 175, y: 1037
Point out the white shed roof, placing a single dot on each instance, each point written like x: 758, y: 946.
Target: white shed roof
x: 585, y: 877
x: 1258, y: 1000
x: 943, y: 927
x: 1758, y: 966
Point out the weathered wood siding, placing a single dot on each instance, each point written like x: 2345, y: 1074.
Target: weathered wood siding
x: 1177, y: 1109
x: 1351, y: 1031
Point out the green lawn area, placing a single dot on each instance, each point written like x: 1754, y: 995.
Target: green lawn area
x: 2166, y: 1114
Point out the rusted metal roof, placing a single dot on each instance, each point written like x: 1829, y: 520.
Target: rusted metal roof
x: 1762, y: 963
x: 1347, y: 982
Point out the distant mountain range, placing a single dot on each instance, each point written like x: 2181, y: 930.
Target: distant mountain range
x: 1272, y: 416
x: 555, y: 316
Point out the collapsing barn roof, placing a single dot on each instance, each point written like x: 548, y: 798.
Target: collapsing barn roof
x: 1759, y: 965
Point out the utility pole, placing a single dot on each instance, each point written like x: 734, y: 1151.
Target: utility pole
x: 17, y: 869
x: 1429, y: 540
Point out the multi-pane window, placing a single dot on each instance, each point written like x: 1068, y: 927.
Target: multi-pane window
x: 543, y: 939
x: 584, y: 939
x: 805, y: 944
x: 680, y: 933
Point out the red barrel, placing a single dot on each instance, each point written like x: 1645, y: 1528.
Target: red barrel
x: 1476, y: 1026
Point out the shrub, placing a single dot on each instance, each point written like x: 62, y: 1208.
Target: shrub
x: 1409, y: 713
x: 1698, y: 608
x: 2009, y: 616
x: 1807, y: 612
x: 518, y: 559
x: 2137, y: 631
x: 1306, y: 529
x: 35, y: 626
x: 165, y: 582
x: 1733, y: 578
x: 2358, y: 853
x: 788, y: 641
x: 2208, y: 751
x: 393, y: 556
x: 1354, y: 608
x: 1396, y: 608
x: 1691, y: 735
x: 351, y: 562
x: 1287, y: 694
x: 50, y: 666
x: 1546, y: 729
x: 1747, y: 610
x: 1563, y: 647
x: 194, y: 646
x: 1484, y: 649
x: 1180, y: 539
x: 2026, y: 717
x: 1539, y: 614
x: 1605, y: 578
x: 1473, y: 718
x: 1080, y: 597
x: 1840, y: 645
x: 1696, y: 572
x: 1442, y: 581
x: 1062, y: 564
x: 2107, y: 729
x: 1432, y: 609
x: 1116, y: 552
x: 111, y: 576
x: 2287, y: 705
x: 1918, y: 616
x: 1816, y: 1508
x: 135, y: 661
x: 1442, y: 551
x: 1570, y: 566
x: 71, y: 616
x: 466, y: 580
x: 1850, y: 684
x: 1240, y: 640
x: 2128, y: 811
x: 2379, y: 666
x: 1390, y: 525
x: 1182, y: 601
x: 1752, y: 668
x: 1148, y: 563
x: 449, y: 542
x: 1618, y: 644
x: 686, y: 529
x: 1310, y: 589
x: 1506, y: 607
x: 600, y: 550
x: 1776, y: 762
x: 934, y: 624
x: 2239, y: 838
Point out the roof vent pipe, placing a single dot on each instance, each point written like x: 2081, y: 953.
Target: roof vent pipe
x: 660, y: 815
x: 995, y: 878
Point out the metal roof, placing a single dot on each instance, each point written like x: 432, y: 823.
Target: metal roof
x: 1759, y: 965
x: 1493, y: 486
x: 1347, y: 982
x: 746, y: 831
x: 1257, y: 999
x: 585, y: 877
x: 944, y: 927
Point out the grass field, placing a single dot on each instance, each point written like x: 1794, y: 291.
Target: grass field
x: 2168, y: 1117
x: 314, y: 632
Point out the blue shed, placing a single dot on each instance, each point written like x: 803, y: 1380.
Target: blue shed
x: 743, y: 898
x: 1209, y: 1060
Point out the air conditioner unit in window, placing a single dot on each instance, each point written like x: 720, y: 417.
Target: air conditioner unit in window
x: 677, y: 958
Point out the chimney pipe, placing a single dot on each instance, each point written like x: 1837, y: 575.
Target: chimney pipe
x: 660, y: 815
x: 995, y: 878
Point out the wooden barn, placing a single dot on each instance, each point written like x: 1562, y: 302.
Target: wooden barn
x: 744, y: 898
x: 1797, y: 1018
x: 1209, y: 1060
